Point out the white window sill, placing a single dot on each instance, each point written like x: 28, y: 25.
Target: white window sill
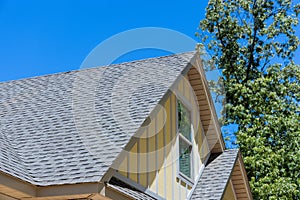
x: 185, y: 179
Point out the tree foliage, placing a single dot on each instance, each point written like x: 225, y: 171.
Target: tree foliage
x: 253, y: 43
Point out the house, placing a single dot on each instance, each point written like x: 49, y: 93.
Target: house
x: 138, y: 130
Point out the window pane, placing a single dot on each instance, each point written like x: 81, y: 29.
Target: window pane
x: 184, y: 158
x: 184, y: 121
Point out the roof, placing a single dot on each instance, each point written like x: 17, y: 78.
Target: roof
x: 211, y: 185
x: 127, y: 190
x: 69, y: 127
x: 215, y: 176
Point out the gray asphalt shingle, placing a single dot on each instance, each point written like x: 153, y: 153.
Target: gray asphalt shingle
x: 69, y: 127
x: 216, y: 174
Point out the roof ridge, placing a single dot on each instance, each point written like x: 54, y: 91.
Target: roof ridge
x: 97, y: 67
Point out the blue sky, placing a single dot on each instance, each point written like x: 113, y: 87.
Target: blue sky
x: 45, y: 37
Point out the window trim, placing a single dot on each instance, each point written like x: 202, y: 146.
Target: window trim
x: 182, y: 177
x: 185, y: 140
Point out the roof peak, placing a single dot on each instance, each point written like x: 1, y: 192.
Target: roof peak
x: 97, y: 67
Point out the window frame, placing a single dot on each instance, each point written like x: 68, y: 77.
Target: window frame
x: 181, y: 176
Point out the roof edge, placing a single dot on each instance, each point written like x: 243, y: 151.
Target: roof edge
x: 240, y: 158
x: 228, y: 180
x: 22, y: 188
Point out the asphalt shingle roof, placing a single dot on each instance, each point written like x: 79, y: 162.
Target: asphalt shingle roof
x: 127, y: 190
x: 216, y: 174
x: 69, y: 127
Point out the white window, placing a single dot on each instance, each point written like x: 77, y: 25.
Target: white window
x: 185, y: 140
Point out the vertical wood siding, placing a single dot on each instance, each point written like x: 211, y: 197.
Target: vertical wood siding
x: 153, y: 160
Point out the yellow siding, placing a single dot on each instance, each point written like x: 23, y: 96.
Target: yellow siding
x: 168, y: 163
x: 160, y: 155
x: 158, y: 147
x: 174, y: 150
x: 143, y: 159
x: 123, y: 167
x: 186, y: 91
x: 183, y: 190
x: 160, y: 140
x: 133, y: 163
x: 173, y: 119
x: 152, y: 157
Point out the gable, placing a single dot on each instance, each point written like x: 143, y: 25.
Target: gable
x: 223, y: 178
x: 151, y: 161
x: 216, y: 176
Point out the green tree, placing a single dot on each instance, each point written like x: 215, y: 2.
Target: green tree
x: 253, y: 43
